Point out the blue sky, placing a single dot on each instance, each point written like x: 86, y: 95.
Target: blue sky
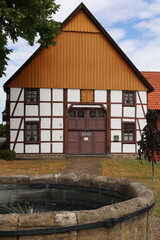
x: 133, y: 24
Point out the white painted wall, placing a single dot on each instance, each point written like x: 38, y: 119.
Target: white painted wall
x: 57, y: 95
x: 57, y: 123
x: 143, y: 96
x: 115, y: 147
x: 15, y: 122
x: 140, y: 113
x: 116, y: 132
x: 45, y: 94
x: 45, y: 109
x: 57, y: 135
x: 19, y: 148
x: 19, y: 111
x: 115, y: 123
x: 14, y: 93
x: 116, y: 110
x: 32, y: 148
x: 129, y: 112
x: 45, y: 147
x: 45, y: 123
x: 57, y: 109
x: 57, y: 147
x: 138, y: 136
x: 73, y: 95
x: 31, y: 110
x: 142, y: 123
x: 45, y: 135
x: 116, y: 96
x: 100, y: 96
x: 129, y: 148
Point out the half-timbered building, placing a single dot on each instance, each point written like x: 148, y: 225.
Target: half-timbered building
x: 82, y: 96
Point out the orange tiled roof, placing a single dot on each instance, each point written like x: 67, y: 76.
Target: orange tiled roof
x: 153, y: 97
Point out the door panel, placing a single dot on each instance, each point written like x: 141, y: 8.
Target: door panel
x: 99, y: 141
x: 73, y: 142
x: 86, y: 131
x: 86, y: 142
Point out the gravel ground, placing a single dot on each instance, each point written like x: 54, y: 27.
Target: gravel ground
x: 93, y: 166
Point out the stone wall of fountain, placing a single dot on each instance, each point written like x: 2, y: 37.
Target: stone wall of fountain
x: 135, y: 227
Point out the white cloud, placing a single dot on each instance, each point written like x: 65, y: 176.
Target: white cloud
x: 116, y: 33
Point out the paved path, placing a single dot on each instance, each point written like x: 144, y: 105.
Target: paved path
x: 84, y: 165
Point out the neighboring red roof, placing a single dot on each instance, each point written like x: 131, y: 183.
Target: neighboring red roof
x: 153, y: 97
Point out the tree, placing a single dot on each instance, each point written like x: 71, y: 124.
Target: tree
x: 149, y: 145
x: 26, y: 19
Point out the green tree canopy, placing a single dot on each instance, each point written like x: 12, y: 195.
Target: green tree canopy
x: 26, y: 19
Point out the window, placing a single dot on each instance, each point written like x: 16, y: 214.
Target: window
x: 128, y: 132
x: 72, y: 113
x: 81, y: 113
x: 32, y: 132
x: 101, y: 113
x: 32, y: 96
x: 129, y: 98
x: 92, y: 114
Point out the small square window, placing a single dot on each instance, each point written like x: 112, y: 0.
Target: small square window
x: 32, y: 96
x: 128, y: 132
x: 72, y: 113
x: 129, y: 98
x: 32, y: 132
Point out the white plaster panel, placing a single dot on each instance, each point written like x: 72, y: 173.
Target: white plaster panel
x: 57, y: 147
x: 115, y: 132
x: 115, y: 123
x: 19, y: 148
x: 45, y: 135
x: 45, y: 94
x: 138, y: 136
x: 31, y: 110
x: 12, y: 105
x: 129, y: 148
x: 100, y: 96
x: 57, y: 123
x: 143, y: 96
x: 115, y: 147
x: 20, y: 136
x: 87, y: 106
x: 73, y: 95
x: 58, y: 95
x: 19, y: 110
x: 142, y: 123
x: 45, y: 109
x: 32, y: 148
x: 128, y: 120
x: 116, y: 110
x: 145, y: 109
x: 57, y: 109
x: 14, y: 94
x: 45, y: 148
x: 129, y: 111
x: 14, y: 123
x: 137, y: 98
x: 140, y: 113
x: 13, y: 135
x: 57, y: 135
x: 45, y: 123
x: 116, y: 96
x: 11, y: 146
x: 32, y: 119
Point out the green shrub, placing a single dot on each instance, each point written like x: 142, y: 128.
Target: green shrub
x: 7, y: 154
x: 3, y: 130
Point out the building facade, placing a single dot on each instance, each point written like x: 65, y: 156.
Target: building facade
x: 83, y: 96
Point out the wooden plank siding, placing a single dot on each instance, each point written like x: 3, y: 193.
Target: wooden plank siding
x: 82, y: 59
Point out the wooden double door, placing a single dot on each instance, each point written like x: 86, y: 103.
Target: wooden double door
x: 86, y: 131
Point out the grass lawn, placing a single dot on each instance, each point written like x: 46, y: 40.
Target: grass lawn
x: 134, y: 170
x: 32, y: 167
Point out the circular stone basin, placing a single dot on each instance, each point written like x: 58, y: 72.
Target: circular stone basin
x: 75, y: 207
